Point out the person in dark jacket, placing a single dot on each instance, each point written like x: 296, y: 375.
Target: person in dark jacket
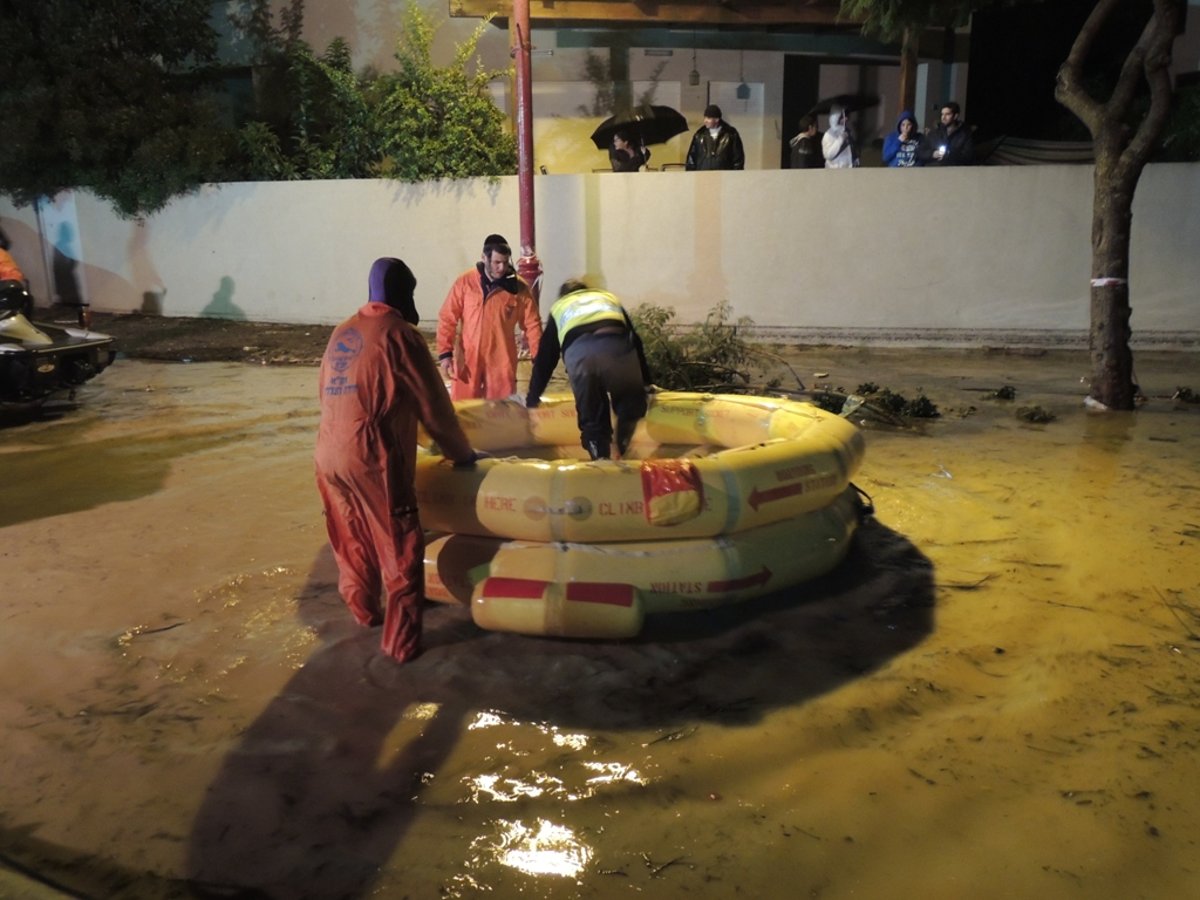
x: 604, y: 357
x: 900, y: 147
x: 951, y: 143
x: 806, y: 145
x: 628, y: 155
x: 715, y: 145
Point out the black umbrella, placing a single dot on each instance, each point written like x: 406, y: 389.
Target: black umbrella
x: 647, y: 125
x: 848, y: 102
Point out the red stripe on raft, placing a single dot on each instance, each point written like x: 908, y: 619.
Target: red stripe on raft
x: 600, y: 592
x: 513, y: 588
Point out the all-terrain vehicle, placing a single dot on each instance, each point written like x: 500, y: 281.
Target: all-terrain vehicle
x: 38, y: 359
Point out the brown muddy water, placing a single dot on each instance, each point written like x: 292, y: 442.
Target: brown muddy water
x: 996, y: 695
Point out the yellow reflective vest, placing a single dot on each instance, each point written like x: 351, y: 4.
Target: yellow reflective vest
x: 585, y: 308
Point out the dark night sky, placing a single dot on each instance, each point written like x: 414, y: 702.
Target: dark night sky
x: 1015, y: 57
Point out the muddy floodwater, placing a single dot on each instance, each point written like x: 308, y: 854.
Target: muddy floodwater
x: 996, y: 695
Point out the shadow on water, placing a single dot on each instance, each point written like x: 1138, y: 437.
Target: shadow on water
x: 304, y: 807
x: 117, y: 469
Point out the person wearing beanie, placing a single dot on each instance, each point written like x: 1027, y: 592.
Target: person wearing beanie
x: 715, y: 145
x: 377, y: 381
x: 476, y: 346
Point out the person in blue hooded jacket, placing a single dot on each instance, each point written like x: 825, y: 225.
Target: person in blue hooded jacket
x: 900, y: 147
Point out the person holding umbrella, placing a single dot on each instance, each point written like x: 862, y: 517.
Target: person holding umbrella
x: 838, y: 142
x: 625, y: 156
x: 715, y: 145
x: 637, y: 128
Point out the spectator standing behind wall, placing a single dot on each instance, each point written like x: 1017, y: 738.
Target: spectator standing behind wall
x: 806, y: 145
x: 627, y: 155
x: 715, y: 145
x: 900, y: 147
x: 838, y: 142
x: 951, y: 143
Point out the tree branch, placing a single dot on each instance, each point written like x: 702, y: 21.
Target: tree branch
x: 1131, y: 74
x: 1069, y: 89
x: 1167, y: 23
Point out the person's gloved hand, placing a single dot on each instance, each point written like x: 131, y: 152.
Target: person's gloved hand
x: 476, y: 455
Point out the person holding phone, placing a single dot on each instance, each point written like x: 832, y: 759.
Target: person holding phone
x: 951, y: 143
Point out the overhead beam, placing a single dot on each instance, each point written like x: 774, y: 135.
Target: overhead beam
x: 848, y: 44
x: 670, y: 12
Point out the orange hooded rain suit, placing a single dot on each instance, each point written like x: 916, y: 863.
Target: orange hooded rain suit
x: 377, y: 381
x: 484, y: 348
x: 9, y: 270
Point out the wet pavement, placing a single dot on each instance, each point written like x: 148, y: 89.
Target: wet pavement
x: 996, y: 695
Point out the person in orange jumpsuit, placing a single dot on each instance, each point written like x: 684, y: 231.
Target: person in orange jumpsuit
x: 377, y: 381
x: 475, y: 335
x: 9, y: 270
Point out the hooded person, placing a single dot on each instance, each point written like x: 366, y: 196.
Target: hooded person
x: 377, y: 382
x: 476, y: 346
x: 837, y: 144
x: 900, y: 147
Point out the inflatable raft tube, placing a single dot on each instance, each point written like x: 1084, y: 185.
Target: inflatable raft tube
x: 700, y: 465
x: 568, y: 589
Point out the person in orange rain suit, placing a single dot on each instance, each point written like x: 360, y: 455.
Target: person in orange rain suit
x: 9, y: 270
x: 377, y: 380
x: 488, y: 302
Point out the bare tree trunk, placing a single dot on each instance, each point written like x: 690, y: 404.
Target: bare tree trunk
x: 909, y: 44
x: 1108, y: 340
x: 1121, y: 154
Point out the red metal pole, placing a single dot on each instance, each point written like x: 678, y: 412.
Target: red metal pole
x: 528, y: 265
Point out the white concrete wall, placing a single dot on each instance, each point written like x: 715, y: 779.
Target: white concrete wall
x: 936, y: 255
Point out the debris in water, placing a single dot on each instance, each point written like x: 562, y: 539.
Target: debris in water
x: 1035, y: 414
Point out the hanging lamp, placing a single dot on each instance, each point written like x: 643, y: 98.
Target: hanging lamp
x: 743, y: 89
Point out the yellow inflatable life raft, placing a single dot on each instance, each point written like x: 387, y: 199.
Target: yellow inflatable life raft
x: 720, y: 498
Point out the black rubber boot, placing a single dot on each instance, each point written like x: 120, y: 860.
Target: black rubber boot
x: 625, y: 430
x: 596, y: 449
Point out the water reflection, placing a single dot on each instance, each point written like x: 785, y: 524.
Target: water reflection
x: 187, y: 709
x: 338, y: 772
x: 543, y: 848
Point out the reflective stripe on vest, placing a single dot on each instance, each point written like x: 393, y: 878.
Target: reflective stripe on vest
x: 584, y: 308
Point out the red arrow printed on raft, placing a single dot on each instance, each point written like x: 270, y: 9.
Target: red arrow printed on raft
x: 736, y: 584
x: 758, y: 498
